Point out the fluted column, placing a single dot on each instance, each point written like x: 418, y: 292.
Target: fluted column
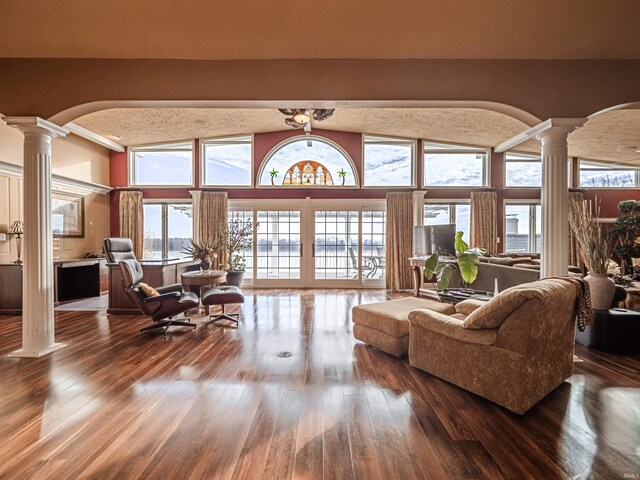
x: 555, y: 194
x: 38, y: 296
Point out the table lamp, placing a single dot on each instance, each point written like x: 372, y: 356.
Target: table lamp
x: 17, y: 228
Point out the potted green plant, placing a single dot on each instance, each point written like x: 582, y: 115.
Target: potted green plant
x: 205, y: 251
x: 239, y: 238
x: 466, y: 263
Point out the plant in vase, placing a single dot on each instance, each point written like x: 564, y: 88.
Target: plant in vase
x: 205, y: 251
x: 467, y: 260
x: 624, y: 233
x: 596, y: 248
x: 239, y: 237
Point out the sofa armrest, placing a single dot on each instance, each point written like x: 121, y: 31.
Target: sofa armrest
x: 162, y: 297
x: 451, y: 327
x: 467, y: 307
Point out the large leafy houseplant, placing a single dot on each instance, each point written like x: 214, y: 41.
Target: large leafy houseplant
x: 466, y: 262
x: 624, y: 233
x: 239, y: 238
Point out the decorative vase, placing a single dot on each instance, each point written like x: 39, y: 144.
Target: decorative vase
x: 205, y: 265
x: 234, y: 277
x: 602, y: 290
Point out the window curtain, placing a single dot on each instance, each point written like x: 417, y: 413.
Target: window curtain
x: 212, y: 220
x: 399, y: 240
x: 574, y: 251
x: 484, y: 220
x: 132, y: 219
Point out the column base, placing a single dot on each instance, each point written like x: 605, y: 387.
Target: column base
x: 22, y: 353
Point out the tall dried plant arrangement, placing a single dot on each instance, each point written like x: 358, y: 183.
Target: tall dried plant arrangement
x: 595, y: 245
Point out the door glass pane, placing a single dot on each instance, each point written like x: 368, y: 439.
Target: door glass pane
x: 244, y: 216
x: 373, y: 244
x: 517, y: 228
x: 437, y: 214
x: 152, y: 232
x: 179, y: 229
x: 538, y: 229
x: 336, y: 245
x: 278, y: 236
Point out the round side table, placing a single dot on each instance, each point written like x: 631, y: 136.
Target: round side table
x: 204, y: 279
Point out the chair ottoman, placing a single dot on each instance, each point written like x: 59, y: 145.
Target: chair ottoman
x: 385, y: 325
x: 222, y: 296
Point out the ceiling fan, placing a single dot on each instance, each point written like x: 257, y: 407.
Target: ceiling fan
x: 301, y: 117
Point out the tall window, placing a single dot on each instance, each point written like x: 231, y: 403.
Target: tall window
x: 161, y: 165
x: 454, y: 165
x: 603, y: 175
x: 523, y: 227
x: 523, y: 170
x: 227, y: 162
x: 449, y: 213
x: 310, y: 162
x: 388, y: 162
x: 167, y: 229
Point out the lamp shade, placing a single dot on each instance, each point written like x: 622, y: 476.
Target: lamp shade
x: 16, y: 228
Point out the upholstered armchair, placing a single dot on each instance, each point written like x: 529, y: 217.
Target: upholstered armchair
x: 512, y: 350
x: 163, y: 304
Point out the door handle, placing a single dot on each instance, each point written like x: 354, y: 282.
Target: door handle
x: 313, y: 250
x: 301, y: 250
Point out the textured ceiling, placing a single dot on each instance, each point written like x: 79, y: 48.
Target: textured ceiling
x: 608, y: 136
x: 137, y: 126
x: 294, y: 29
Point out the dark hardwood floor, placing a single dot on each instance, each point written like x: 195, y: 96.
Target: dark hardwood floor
x: 220, y: 403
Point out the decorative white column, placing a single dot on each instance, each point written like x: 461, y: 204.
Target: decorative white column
x: 37, y: 301
x: 553, y: 134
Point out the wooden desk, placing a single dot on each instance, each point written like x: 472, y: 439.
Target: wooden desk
x: 72, y: 279
x: 155, y: 274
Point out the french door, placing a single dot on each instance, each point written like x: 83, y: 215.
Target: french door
x: 315, y: 243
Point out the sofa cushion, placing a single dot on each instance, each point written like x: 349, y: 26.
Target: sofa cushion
x: 467, y: 307
x: 494, y: 312
x: 392, y: 317
x: 451, y: 326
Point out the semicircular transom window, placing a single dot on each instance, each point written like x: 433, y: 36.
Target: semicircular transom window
x: 308, y: 162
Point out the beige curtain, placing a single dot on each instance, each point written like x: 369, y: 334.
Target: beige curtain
x: 213, y: 217
x: 484, y: 220
x: 399, y: 239
x: 132, y: 220
x: 574, y: 252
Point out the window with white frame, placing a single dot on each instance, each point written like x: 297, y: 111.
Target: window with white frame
x: 167, y: 229
x: 161, y: 165
x: 523, y: 170
x: 227, y: 162
x: 388, y: 162
x: 244, y: 216
x: 457, y: 213
x: 454, y: 165
x: 605, y: 175
x: 308, y: 161
x: 523, y: 227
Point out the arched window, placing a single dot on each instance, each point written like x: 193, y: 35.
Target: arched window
x: 308, y: 161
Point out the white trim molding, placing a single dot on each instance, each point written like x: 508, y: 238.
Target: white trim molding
x: 18, y: 170
x: 534, y: 132
x: 94, y: 137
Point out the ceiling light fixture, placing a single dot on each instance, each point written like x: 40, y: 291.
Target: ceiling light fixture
x: 301, y: 117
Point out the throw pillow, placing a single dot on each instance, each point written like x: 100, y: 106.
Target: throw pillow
x: 148, y: 290
x: 494, y: 312
x: 467, y: 307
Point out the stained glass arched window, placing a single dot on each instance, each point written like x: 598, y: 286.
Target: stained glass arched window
x: 308, y: 161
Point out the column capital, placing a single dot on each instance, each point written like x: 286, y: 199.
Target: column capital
x: 36, y: 125
x: 555, y: 127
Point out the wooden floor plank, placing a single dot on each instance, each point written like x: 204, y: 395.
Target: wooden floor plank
x: 219, y: 403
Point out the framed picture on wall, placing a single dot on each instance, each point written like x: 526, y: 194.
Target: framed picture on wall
x: 67, y: 214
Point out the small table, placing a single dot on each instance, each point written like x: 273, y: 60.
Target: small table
x: 456, y: 295
x: 204, y: 279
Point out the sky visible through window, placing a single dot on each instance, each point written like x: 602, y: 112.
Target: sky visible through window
x: 387, y: 165
x: 299, y: 150
x: 454, y: 169
x: 163, y: 168
x: 227, y: 164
